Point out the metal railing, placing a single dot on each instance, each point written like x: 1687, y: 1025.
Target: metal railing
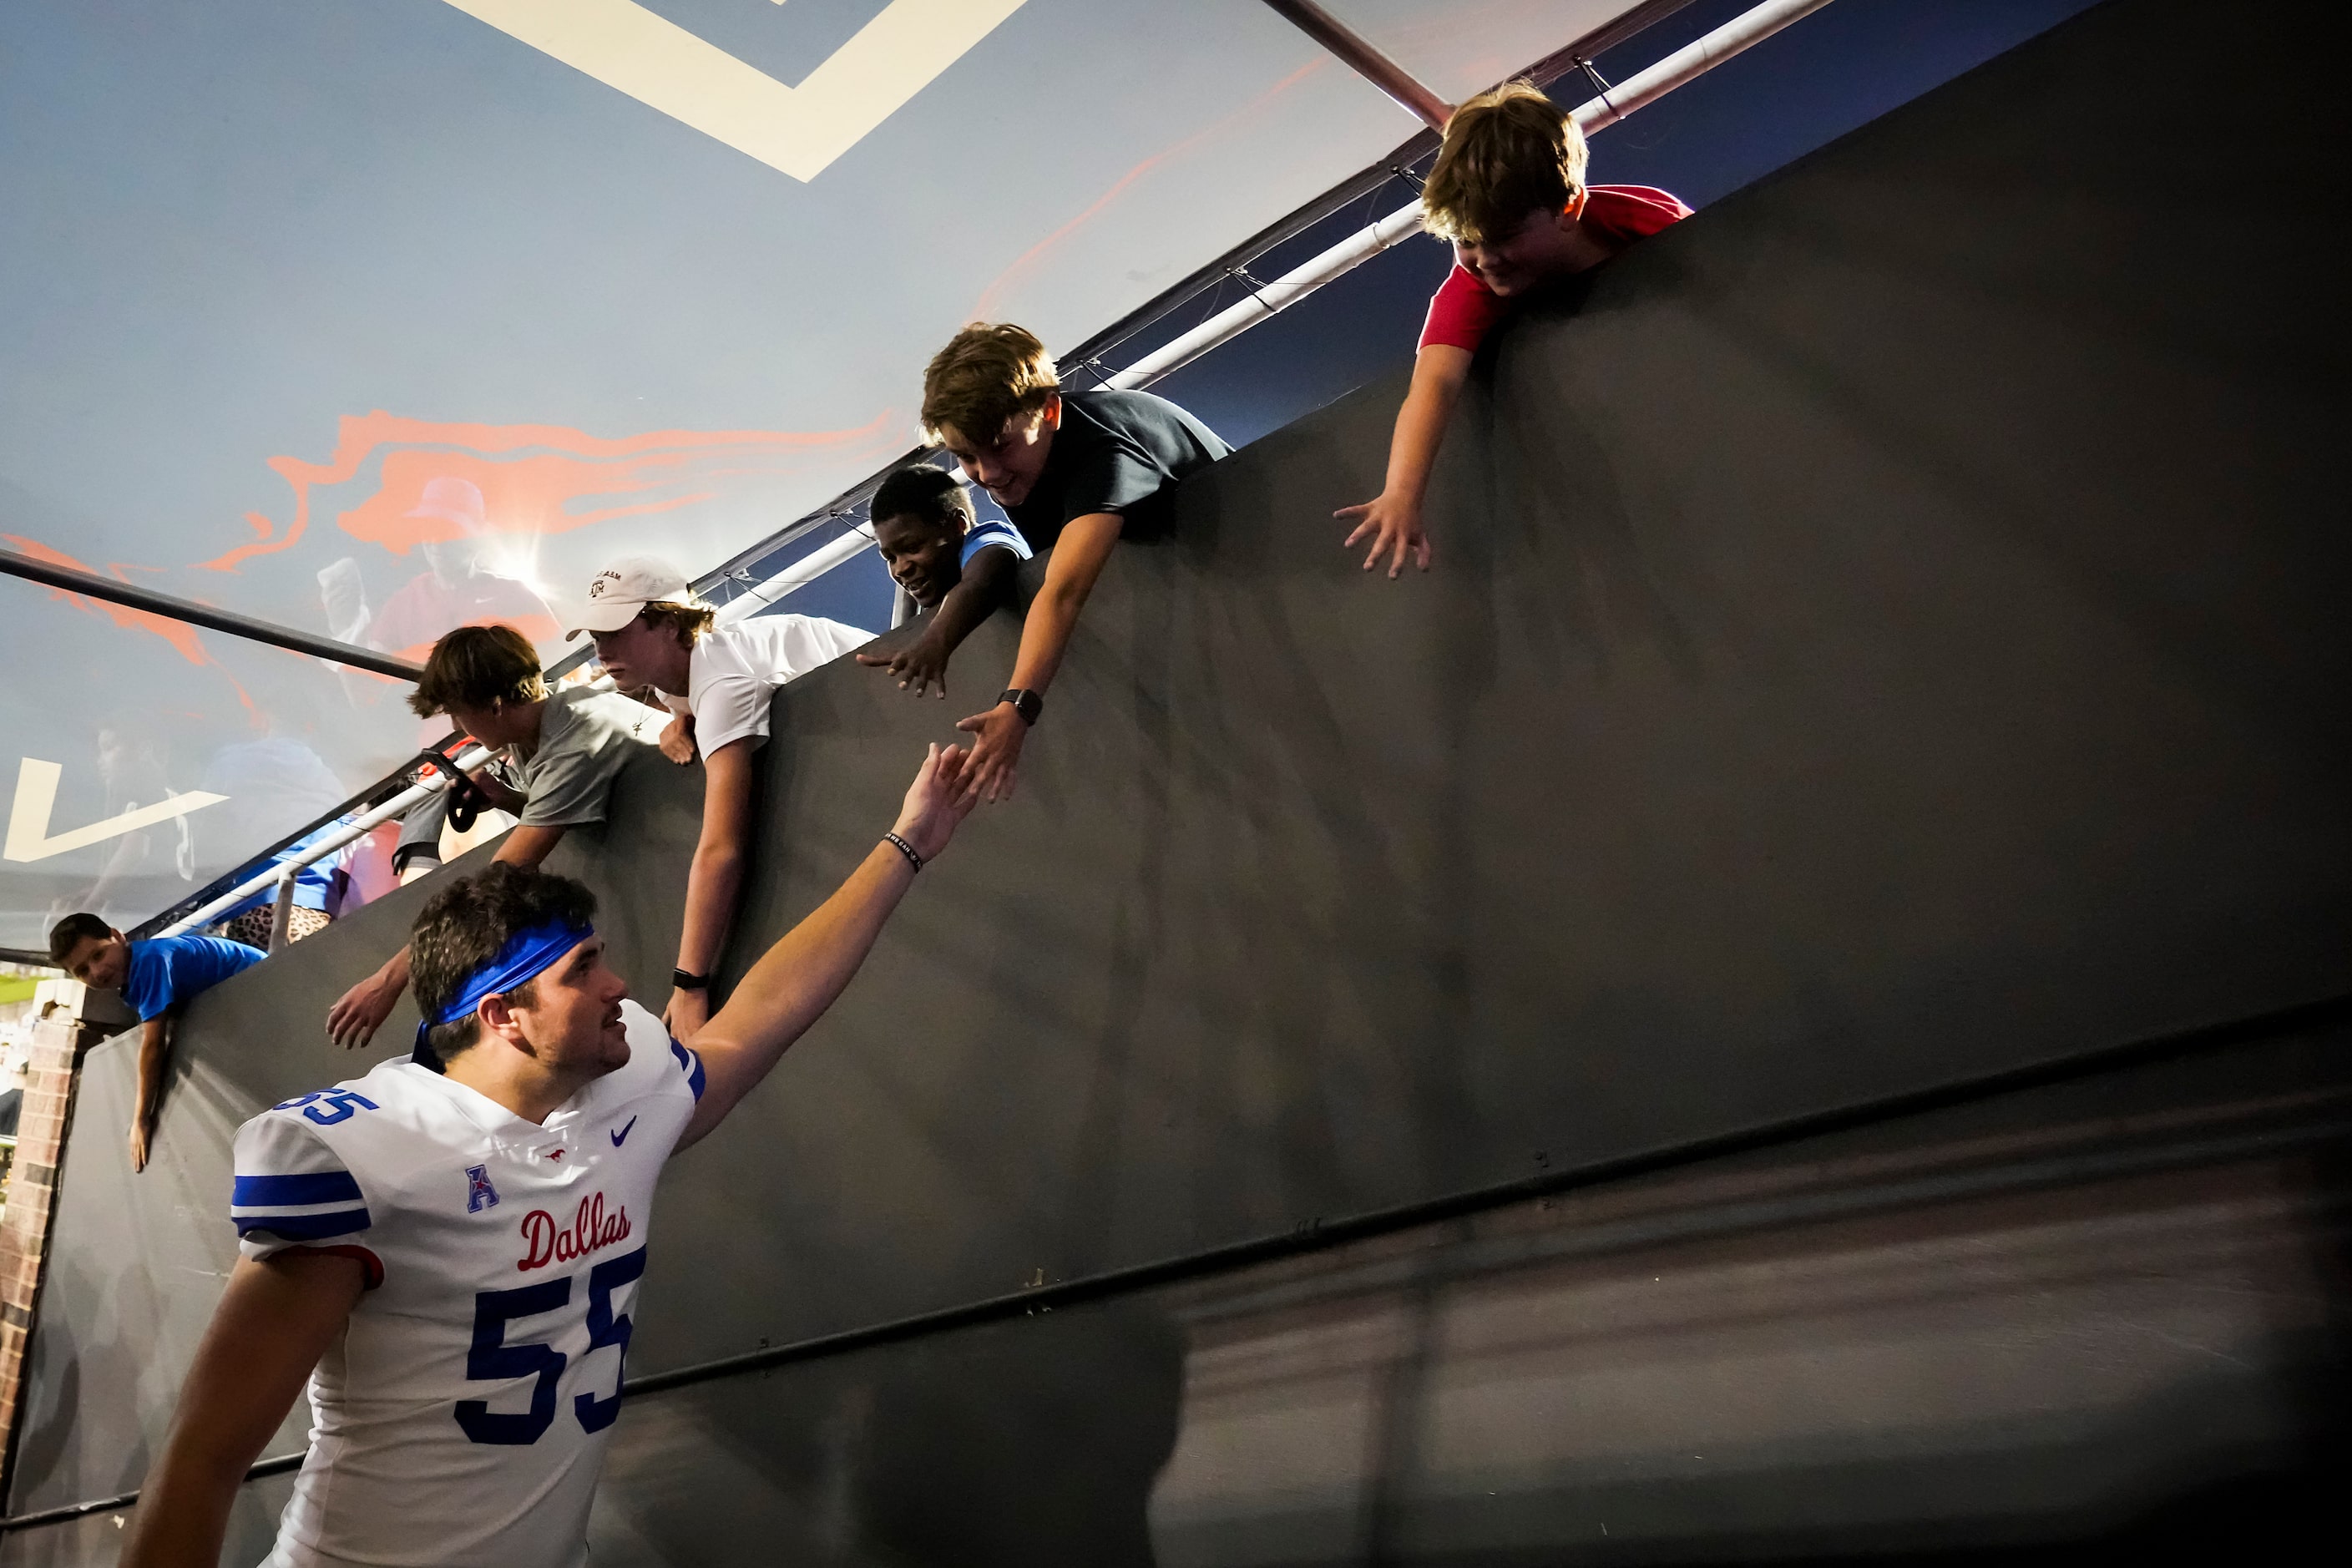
x: 281, y: 874
x: 173, y: 607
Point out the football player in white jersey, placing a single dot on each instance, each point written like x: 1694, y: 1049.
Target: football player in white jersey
x: 448, y: 1248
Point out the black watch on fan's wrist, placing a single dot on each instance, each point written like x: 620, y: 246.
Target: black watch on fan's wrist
x: 685, y: 982
x: 1026, y: 703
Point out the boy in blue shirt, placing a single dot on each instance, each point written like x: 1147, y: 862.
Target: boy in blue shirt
x: 156, y: 978
x: 956, y: 568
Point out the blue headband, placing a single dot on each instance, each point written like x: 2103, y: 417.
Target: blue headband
x: 526, y: 954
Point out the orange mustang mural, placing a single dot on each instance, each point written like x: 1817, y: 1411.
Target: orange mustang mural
x: 467, y: 502
x: 470, y: 497
x: 460, y: 587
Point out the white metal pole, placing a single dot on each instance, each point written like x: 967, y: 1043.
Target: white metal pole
x: 799, y: 574
x: 467, y: 760
x: 1742, y: 32
x: 1693, y: 60
x: 1269, y: 299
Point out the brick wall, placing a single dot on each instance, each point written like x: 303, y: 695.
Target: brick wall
x: 23, y: 1234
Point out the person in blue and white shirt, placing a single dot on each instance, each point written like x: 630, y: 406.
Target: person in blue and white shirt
x: 719, y: 682
x: 157, y: 977
x: 957, y: 567
x: 448, y: 1248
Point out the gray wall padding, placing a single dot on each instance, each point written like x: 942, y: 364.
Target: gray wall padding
x: 1887, y: 629
x: 2111, y: 1313
x: 2104, y: 1316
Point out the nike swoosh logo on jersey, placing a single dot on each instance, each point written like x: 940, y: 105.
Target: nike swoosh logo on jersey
x: 624, y: 1133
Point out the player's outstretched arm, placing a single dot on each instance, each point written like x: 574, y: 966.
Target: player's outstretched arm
x: 796, y: 980
x: 274, y: 1321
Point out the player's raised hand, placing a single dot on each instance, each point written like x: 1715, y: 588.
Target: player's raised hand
x: 798, y: 978
x: 943, y: 794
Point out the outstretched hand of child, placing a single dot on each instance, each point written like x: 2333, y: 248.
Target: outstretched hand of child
x: 1393, y: 526
x: 997, y: 753
x: 356, y: 1015
x: 921, y: 664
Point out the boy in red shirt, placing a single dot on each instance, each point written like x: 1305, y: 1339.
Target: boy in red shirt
x: 1508, y: 190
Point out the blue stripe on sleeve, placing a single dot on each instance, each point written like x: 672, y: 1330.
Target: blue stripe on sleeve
x: 306, y: 1226
x: 277, y: 1192
x: 690, y: 1064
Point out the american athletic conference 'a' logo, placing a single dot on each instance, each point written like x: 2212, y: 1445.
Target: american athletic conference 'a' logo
x: 480, y: 1194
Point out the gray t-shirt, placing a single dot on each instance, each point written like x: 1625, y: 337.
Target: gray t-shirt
x: 586, y: 737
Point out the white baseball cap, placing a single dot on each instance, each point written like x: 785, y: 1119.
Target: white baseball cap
x: 616, y: 593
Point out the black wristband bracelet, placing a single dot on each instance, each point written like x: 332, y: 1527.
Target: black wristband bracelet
x: 903, y: 847
x: 683, y: 981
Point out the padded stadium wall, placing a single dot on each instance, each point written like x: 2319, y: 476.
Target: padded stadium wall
x: 1887, y: 631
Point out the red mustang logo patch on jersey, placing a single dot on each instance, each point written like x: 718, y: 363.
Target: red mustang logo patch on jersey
x: 590, y: 1229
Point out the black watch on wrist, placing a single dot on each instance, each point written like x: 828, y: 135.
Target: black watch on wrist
x: 1026, y: 703
x: 680, y: 979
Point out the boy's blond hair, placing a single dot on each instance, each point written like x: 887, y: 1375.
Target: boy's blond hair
x: 1506, y: 153
x: 989, y: 374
